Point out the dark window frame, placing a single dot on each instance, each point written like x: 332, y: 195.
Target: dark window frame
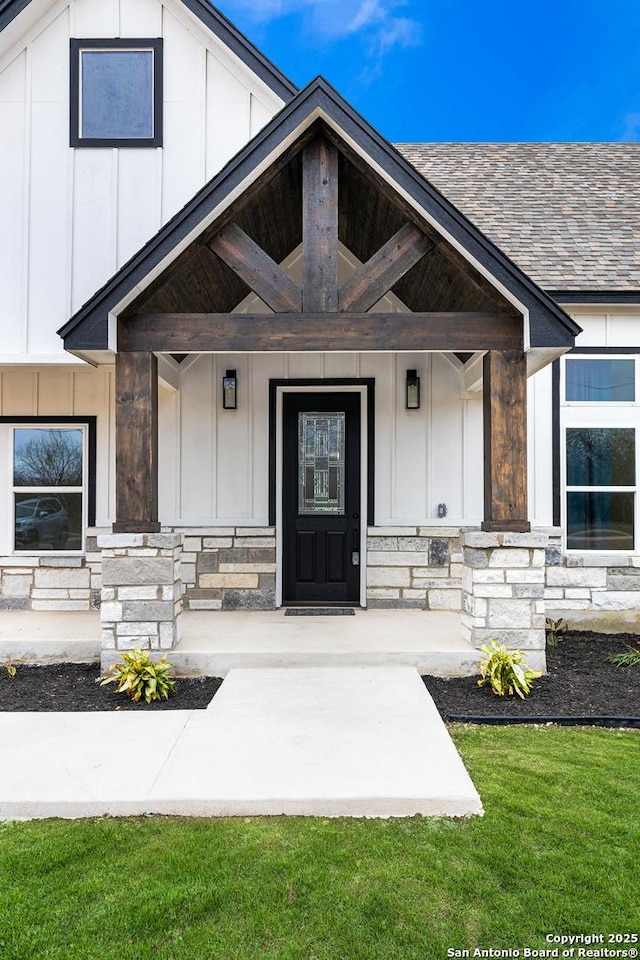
x: 77, y: 45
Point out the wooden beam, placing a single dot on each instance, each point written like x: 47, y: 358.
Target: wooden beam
x: 236, y: 332
x: 320, y: 227
x: 505, y: 441
x: 136, y: 443
x: 257, y: 269
x: 480, y: 282
x: 374, y: 278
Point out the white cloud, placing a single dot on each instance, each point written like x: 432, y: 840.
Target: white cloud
x: 379, y: 22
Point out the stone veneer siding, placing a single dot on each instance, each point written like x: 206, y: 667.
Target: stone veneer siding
x: 52, y: 581
x: 420, y: 567
x: 503, y: 589
x: 141, y: 590
x: 415, y: 567
x: 228, y: 568
x: 599, y: 591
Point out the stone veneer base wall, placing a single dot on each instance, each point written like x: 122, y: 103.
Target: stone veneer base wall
x: 594, y: 591
x: 141, y: 590
x: 503, y: 589
x: 417, y: 567
x: 52, y: 582
x: 228, y: 568
x: 414, y: 567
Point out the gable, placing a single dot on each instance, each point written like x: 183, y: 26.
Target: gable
x: 210, y: 17
x: 73, y: 217
x: 374, y: 170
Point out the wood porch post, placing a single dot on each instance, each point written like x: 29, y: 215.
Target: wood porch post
x: 136, y: 443
x: 505, y: 441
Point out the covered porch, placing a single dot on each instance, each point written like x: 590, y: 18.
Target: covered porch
x: 320, y: 239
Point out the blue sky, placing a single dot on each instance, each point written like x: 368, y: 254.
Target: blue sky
x: 464, y: 69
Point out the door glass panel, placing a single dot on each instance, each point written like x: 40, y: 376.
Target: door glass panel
x: 600, y: 381
x: 601, y: 457
x: 321, y: 463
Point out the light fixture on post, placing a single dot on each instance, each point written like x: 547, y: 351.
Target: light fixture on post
x: 413, y: 390
x: 229, y: 390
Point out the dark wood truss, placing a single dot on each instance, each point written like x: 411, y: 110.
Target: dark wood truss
x: 321, y: 195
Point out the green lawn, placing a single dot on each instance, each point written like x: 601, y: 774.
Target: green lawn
x: 557, y: 852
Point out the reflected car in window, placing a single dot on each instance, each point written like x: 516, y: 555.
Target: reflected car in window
x: 41, y: 519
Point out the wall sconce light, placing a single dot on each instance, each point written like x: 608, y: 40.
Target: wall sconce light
x: 229, y: 390
x: 413, y: 390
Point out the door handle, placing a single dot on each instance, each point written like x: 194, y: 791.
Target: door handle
x: 355, y: 553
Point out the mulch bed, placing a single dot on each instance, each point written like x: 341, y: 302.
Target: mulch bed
x: 580, y: 683
x: 75, y: 686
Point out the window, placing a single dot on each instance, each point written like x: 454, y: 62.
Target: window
x: 116, y: 93
x: 601, y: 479
x: 600, y: 452
x: 600, y: 380
x: 48, y: 481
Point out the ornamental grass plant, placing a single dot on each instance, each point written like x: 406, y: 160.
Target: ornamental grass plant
x: 505, y: 671
x: 141, y: 677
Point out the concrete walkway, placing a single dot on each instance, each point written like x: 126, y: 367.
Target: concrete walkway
x: 348, y: 741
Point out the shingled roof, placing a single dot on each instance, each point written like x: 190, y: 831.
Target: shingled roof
x: 567, y: 213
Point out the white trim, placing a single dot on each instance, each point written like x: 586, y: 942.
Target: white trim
x: 599, y: 415
x: 7, y: 541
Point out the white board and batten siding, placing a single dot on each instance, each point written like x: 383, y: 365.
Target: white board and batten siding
x: 71, y: 217
x: 214, y: 462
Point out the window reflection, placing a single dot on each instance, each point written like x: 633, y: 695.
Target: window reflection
x: 600, y: 380
x: 600, y: 521
x: 47, y: 458
x: 601, y: 457
x: 48, y: 494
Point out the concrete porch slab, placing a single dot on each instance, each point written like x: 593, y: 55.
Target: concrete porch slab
x: 358, y: 741
x: 36, y: 636
x: 214, y: 643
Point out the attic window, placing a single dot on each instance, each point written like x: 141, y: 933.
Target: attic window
x: 116, y: 93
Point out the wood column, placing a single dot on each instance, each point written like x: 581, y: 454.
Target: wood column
x: 136, y: 443
x: 320, y: 227
x: 505, y: 441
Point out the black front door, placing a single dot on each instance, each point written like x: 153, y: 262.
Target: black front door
x: 321, y: 498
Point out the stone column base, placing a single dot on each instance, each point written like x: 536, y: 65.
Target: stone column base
x: 503, y: 591
x: 141, y: 590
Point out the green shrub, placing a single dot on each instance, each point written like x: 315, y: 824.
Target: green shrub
x: 631, y: 658
x: 141, y: 677
x: 553, y: 629
x: 10, y: 667
x: 505, y: 671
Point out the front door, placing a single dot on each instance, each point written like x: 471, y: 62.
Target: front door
x: 321, y: 498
